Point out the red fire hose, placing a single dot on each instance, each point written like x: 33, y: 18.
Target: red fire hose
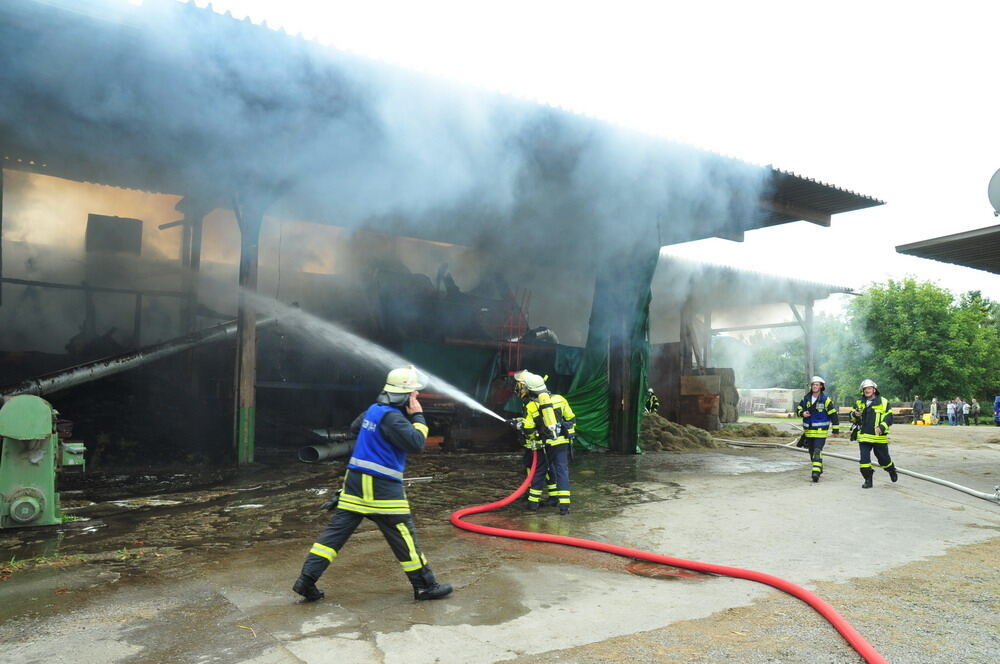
x: 852, y: 636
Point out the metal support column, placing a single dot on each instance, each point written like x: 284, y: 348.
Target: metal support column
x: 805, y: 321
x: 810, y: 342
x: 250, y: 216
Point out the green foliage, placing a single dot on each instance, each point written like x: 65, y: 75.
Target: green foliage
x: 921, y: 341
x: 910, y: 337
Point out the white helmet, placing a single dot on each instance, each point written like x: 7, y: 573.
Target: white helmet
x: 817, y: 379
x: 532, y: 382
x: 403, y: 380
x: 868, y: 382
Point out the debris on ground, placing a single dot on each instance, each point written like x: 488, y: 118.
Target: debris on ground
x: 754, y: 430
x: 658, y: 433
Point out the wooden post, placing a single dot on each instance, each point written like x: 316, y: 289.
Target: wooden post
x: 249, y: 215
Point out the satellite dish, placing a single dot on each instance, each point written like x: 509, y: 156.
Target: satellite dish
x: 994, y: 193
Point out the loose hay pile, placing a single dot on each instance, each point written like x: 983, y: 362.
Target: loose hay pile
x: 755, y: 430
x: 659, y: 433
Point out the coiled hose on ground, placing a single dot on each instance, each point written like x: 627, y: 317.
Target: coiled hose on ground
x: 852, y: 636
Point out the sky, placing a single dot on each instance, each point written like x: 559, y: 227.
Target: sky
x: 899, y: 102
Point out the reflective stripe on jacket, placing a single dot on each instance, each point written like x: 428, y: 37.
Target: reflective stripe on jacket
x: 534, y: 424
x: 822, y: 414
x: 878, y: 414
x: 373, y: 454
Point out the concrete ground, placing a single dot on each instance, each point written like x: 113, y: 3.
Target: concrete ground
x: 204, y: 575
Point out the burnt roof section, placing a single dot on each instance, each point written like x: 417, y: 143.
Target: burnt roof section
x: 173, y: 98
x: 978, y: 249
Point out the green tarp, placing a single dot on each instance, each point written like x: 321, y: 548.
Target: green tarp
x: 621, y: 306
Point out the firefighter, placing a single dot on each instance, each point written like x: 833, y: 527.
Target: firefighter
x: 873, y: 417
x: 819, y: 417
x: 652, y: 403
x: 548, y: 426
x: 391, y: 428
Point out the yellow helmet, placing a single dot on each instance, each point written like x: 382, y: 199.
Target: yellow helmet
x: 531, y: 382
x: 403, y: 380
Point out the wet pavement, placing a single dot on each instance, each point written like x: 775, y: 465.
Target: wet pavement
x: 203, y: 575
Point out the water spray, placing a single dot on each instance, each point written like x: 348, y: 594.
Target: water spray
x: 346, y: 340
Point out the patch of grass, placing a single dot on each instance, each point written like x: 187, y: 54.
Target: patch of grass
x: 10, y: 567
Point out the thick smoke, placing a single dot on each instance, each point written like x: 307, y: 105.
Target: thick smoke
x: 168, y: 97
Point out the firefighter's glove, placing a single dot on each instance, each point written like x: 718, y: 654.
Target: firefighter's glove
x: 801, y: 442
x: 880, y: 431
x: 331, y: 504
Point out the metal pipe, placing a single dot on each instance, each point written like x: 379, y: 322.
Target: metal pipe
x: 992, y: 497
x: 84, y: 373
x: 324, y: 451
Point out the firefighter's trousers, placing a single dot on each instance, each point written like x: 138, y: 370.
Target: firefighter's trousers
x: 397, y: 529
x: 816, y: 453
x: 553, y: 468
x: 376, y: 498
x: 550, y: 484
x: 881, y: 451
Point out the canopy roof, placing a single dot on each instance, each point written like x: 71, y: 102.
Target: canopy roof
x: 979, y: 249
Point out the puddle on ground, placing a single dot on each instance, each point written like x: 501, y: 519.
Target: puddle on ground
x: 280, y: 501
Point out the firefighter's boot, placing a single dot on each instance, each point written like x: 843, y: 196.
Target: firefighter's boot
x: 563, y: 508
x: 867, y: 474
x: 425, y: 586
x: 891, y: 469
x: 307, y: 588
x: 815, y: 475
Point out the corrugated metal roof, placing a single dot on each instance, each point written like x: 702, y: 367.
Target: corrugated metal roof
x: 978, y: 249
x: 812, y: 195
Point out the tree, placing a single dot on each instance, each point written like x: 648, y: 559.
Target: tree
x: 915, y: 338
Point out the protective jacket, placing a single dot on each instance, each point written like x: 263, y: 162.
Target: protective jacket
x: 822, y: 418
x: 385, y: 437
x: 877, y: 414
x: 534, y: 426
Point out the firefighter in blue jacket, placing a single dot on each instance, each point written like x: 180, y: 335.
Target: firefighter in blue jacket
x: 819, y: 417
x: 873, y: 417
x: 391, y: 428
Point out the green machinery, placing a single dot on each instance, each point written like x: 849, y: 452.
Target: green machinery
x: 30, y: 456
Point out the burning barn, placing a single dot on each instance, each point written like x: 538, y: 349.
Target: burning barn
x: 168, y: 170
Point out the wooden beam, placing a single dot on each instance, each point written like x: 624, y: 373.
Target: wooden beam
x: 796, y: 211
x: 744, y: 328
x: 250, y: 217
